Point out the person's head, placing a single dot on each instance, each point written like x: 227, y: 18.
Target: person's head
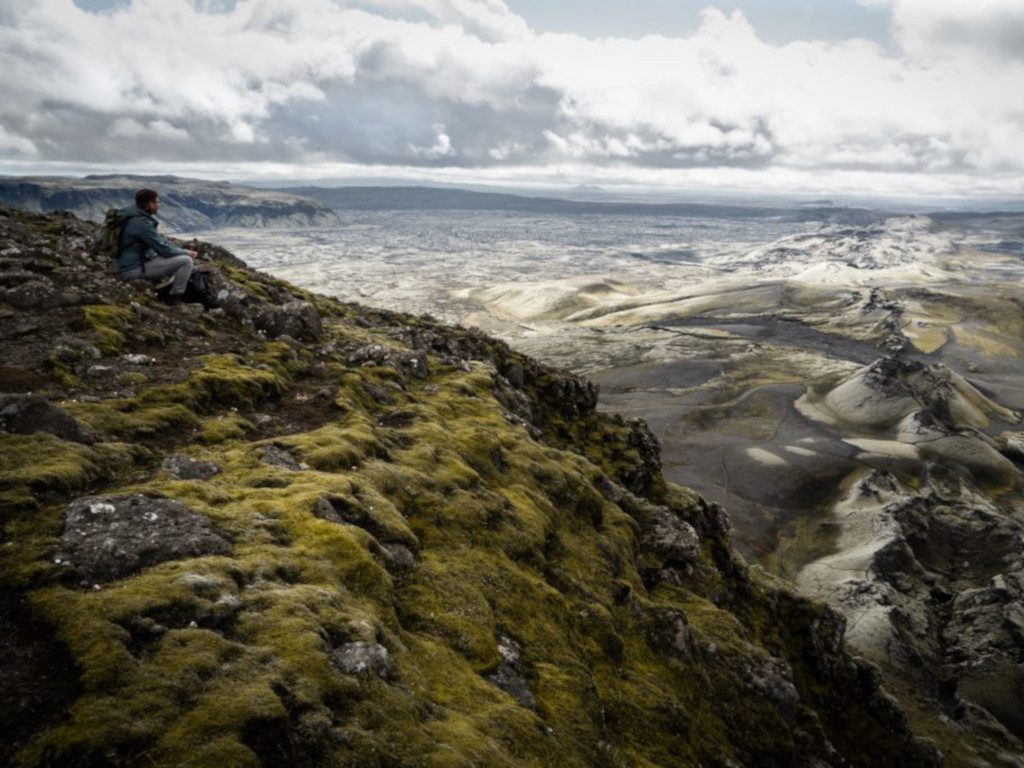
x: 147, y: 200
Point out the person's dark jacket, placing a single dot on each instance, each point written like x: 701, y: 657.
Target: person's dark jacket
x: 141, y: 238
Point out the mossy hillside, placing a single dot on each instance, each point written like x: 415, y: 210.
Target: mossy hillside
x: 40, y: 467
x: 512, y: 539
x: 109, y: 323
x: 215, y: 381
x: 490, y: 471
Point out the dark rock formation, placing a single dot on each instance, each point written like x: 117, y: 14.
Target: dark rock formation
x: 399, y: 557
x: 38, y: 678
x: 668, y: 538
x: 935, y: 594
x: 27, y: 414
x: 508, y: 676
x: 324, y: 509
x: 670, y: 633
x: 40, y: 293
x: 297, y: 319
x: 109, y: 537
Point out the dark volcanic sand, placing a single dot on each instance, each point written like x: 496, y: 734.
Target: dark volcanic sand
x: 785, y: 332
x: 705, y: 448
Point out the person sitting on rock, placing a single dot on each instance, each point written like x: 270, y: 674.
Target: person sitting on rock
x: 143, y: 254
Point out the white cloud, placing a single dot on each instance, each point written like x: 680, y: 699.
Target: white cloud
x: 442, y: 146
x: 466, y: 83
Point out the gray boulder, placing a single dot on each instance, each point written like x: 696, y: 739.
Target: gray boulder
x: 26, y: 414
x: 378, y: 393
x: 279, y: 457
x: 363, y: 659
x: 325, y: 510
x: 669, y: 537
x: 109, y: 537
x: 772, y: 679
x: 398, y: 556
x: 186, y: 468
x: 298, y: 319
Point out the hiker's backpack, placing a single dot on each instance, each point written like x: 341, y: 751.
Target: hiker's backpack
x: 110, y: 236
x: 197, y: 290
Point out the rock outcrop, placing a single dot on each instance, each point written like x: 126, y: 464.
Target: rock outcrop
x: 296, y: 319
x: 110, y: 537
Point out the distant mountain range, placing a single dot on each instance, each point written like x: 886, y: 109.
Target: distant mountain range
x: 190, y: 205
x: 433, y: 198
x: 186, y: 205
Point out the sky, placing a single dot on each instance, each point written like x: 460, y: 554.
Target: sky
x: 917, y: 98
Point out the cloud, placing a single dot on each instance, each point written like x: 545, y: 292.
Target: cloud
x: 945, y: 28
x: 17, y: 146
x: 442, y: 146
x: 126, y: 127
x: 466, y: 84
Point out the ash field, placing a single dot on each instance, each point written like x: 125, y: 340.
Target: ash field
x: 846, y: 382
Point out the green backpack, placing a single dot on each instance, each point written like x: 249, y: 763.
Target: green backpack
x: 113, y: 230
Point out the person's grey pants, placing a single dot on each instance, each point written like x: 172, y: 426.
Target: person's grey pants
x: 181, y: 266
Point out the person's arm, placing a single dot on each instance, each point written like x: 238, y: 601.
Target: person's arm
x: 155, y: 242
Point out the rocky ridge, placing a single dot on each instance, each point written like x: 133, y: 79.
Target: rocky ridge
x: 928, y: 566
x: 291, y: 531
x: 186, y: 205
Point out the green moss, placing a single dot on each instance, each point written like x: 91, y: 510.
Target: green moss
x: 43, y: 464
x: 219, y: 429
x: 63, y: 374
x: 136, y: 417
x: 340, y: 446
x: 219, y: 383
x: 245, y: 279
x: 444, y: 603
x: 111, y: 325
x: 131, y: 379
x: 227, y: 379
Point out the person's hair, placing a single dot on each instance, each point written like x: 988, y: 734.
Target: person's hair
x: 144, y: 197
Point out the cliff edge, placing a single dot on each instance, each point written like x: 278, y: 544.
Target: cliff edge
x: 294, y: 532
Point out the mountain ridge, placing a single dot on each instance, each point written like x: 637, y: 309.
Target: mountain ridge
x: 185, y: 204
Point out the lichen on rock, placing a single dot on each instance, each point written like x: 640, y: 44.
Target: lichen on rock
x: 109, y: 537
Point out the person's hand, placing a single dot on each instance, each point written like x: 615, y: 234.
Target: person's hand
x: 193, y: 254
